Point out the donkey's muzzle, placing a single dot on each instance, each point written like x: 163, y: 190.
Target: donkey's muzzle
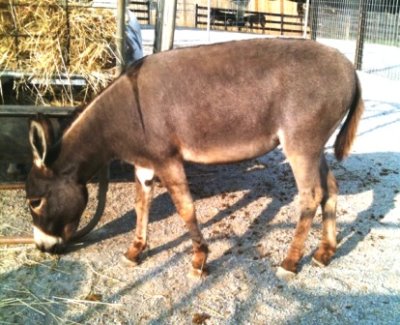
x: 46, y: 242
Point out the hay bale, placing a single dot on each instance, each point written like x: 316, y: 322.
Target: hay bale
x: 57, y: 39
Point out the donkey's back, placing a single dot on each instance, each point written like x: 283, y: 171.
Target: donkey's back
x: 238, y: 100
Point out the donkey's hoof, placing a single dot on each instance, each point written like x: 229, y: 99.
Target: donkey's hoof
x: 284, y: 274
x: 197, y: 273
x: 127, y: 262
x: 315, y: 262
x: 323, y: 256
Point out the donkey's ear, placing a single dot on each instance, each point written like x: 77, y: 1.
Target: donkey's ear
x: 40, y: 138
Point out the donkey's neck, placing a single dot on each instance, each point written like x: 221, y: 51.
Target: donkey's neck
x: 97, y: 135
x: 83, y: 148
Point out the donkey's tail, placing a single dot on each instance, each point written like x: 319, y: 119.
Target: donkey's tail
x: 347, y: 133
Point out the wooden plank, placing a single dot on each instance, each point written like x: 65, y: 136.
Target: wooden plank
x: 12, y: 186
x: 143, y: 3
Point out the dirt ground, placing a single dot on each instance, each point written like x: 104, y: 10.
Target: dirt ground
x: 247, y: 213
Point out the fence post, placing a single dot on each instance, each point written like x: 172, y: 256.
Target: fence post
x: 195, y: 15
x: 208, y: 21
x: 148, y: 12
x: 314, y: 19
x: 165, y: 25
x: 306, y: 18
x: 120, y: 37
x: 362, y: 21
x: 282, y: 15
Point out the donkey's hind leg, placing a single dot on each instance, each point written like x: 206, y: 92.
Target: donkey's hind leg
x: 307, y: 175
x: 174, y: 178
x: 144, y: 193
x: 327, y: 248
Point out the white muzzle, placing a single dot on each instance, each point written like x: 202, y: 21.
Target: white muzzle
x: 45, y: 241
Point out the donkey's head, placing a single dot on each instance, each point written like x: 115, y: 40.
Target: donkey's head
x: 56, y: 199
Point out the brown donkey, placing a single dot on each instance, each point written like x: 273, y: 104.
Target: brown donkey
x: 207, y: 104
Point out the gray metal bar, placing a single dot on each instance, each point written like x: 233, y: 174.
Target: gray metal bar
x: 362, y: 23
x: 121, y: 37
x: 31, y: 111
x: 314, y: 19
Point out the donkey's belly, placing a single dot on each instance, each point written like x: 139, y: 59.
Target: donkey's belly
x: 227, y: 153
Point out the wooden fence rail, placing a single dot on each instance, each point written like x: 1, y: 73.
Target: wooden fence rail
x: 253, y: 20
x: 141, y: 10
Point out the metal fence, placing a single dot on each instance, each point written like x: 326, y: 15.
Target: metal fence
x: 367, y: 31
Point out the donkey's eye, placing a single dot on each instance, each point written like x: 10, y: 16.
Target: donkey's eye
x: 35, y: 203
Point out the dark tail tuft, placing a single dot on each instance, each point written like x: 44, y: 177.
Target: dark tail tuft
x: 347, y: 133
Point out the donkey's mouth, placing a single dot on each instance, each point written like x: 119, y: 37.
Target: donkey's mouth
x: 70, y: 231
x: 55, y: 249
x: 54, y: 244
x: 46, y: 242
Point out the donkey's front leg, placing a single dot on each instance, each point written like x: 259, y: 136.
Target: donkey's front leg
x: 174, y: 178
x: 144, y: 192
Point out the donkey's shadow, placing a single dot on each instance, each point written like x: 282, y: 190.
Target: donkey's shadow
x: 271, y: 175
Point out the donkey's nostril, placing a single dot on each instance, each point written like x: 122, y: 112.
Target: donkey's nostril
x: 41, y: 247
x: 57, y: 249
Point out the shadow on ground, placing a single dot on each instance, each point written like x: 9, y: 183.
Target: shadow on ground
x: 360, y: 173
x: 377, y: 173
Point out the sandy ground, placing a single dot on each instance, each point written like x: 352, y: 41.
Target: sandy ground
x: 247, y: 213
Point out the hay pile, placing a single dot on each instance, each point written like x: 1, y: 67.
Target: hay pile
x: 46, y: 40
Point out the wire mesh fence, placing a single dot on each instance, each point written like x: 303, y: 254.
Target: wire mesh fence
x: 367, y: 31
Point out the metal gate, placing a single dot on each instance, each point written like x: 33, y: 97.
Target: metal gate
x: 367, y: 31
